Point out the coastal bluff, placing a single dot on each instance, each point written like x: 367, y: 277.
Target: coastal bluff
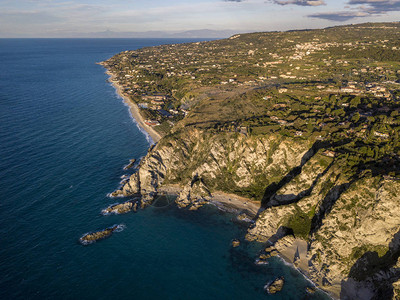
x: 305, y: 124
x: 339, y: 225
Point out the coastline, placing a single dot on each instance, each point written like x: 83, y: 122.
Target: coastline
x: 287, y: 249
x: 229, y: 202
x: 250, y: 207
x: 134, y: 110
x: 294, y: 252
x: 221, y: 199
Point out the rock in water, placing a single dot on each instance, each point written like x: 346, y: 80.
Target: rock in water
x: 261, y: 262
x: 235, y: 243
x: 275, y: 286
x: 121, y: 208
x: 310, y: 290
x: 262, y: 259
x: 117, y: 193
x: 92, y: 237
x: 130, y: 165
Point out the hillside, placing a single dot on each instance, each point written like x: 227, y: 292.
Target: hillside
x: 305, y: 122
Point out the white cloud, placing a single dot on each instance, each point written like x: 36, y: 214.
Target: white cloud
x: 300, y: 2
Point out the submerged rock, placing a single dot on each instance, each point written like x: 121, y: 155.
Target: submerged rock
x: 121, y: 208
x: 310, y: 290
x: 275, y: 286
x: 261, y: 262
x: 92, y: 237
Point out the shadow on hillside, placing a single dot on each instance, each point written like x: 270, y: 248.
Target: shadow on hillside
x: 277, y: 200
x: 327, y: 204
x: 373, y: 275
x: 267, y: 200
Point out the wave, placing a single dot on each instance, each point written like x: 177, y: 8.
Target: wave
x: 147, y: 136
x: 109, y: 195
x: 120, y: 228
x: 261, y: 262
x: 104, y: 211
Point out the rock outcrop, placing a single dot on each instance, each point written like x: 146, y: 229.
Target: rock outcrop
x: 131, y: 164
x: 121, y: 208
x: 275, y: 286
x: 92, y: 237
x: 146, y: 180
x: 228, y: 162
x: 341, y: 219
x: 235, y: 243
x: 305, y: 196
x: 195, y: 194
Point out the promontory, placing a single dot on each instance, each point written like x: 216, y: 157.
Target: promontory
x: 304, y: 123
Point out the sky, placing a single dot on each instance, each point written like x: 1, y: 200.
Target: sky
x: 76, y: 18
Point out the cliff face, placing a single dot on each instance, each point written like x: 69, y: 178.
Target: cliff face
x: 229, y: 162
x: 350, y: 225
x: 318, y: 113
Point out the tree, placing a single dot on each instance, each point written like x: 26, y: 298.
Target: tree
x: 355, y: 102
x: 356, y: 117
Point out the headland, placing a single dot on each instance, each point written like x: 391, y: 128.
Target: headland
x: 303, y: 124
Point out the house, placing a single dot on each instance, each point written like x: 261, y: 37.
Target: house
x: 164, y: 113
x: 282, y: 90
x: 329, y: 153
x: 154, y: 97
x: 151, y: 122
x: 380, y: 134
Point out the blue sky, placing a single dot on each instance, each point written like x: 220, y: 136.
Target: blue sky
x: 68, y: 18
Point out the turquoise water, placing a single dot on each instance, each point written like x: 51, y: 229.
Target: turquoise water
x: 64, y: 139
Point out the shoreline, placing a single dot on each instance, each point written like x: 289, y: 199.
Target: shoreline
x: 221, y: 199
x: 226, y: 201
x: 287, y: 253
x: 134, y: 110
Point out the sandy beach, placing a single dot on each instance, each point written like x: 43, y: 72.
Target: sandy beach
x: 236, y: 202
x: 134, y: 110
x: 299, y: 247
x: 221, y: 199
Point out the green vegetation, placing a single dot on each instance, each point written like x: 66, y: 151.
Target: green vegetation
x: 357, y: 252
x: 338, y: 85
x: 300, y: 222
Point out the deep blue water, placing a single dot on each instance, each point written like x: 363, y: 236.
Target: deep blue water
x: 64, y: 138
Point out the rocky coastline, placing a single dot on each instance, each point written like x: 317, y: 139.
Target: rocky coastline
x: 312, y: 171
x: 149, y: 181
x: 157, y: 170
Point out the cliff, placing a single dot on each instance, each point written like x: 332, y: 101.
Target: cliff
x: 349, y: 224
x: 315, y: 141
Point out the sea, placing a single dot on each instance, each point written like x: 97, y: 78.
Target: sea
x: 65, y: 136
